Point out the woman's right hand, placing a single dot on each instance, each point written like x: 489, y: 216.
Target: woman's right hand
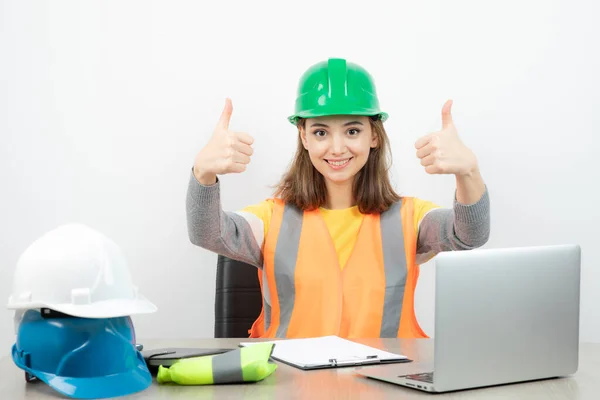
x: 226, y: 152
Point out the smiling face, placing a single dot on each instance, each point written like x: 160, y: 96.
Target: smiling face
x: 338, y: 146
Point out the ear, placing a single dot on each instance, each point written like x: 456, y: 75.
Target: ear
x: 374, y: 140
x: 302, y: 133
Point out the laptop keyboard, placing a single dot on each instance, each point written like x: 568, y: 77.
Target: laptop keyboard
x: 424, y: 377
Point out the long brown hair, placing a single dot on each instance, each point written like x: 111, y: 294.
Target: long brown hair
x: 303, y: 186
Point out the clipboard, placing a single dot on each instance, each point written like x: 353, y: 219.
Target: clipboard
x: 329, y: 352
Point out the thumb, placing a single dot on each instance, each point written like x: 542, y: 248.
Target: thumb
x: 447, y: 114
x: 226, y: 115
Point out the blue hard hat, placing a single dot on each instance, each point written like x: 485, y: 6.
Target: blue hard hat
x: 81, y: 357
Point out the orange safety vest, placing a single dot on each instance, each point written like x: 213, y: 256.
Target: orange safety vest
x: 307, y: 294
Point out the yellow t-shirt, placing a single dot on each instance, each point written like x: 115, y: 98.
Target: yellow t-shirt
x: 343, y: 225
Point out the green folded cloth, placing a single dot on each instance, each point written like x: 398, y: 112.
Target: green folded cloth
x: 247, y: 364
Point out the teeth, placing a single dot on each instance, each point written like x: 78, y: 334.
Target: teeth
x: 338, y: 163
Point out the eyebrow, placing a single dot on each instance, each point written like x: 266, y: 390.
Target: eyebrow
x: 317, y: 124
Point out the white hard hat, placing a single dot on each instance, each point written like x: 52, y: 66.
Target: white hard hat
x: 78, y: 271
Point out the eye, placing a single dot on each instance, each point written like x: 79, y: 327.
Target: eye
x: 320, y: 133
x: 353, y: 132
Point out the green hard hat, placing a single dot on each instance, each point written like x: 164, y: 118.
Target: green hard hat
x: 336, y: 87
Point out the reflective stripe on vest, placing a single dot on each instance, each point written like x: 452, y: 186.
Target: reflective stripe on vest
x: 394, y: 261
x: 286, y: 254
x: 310, y: 295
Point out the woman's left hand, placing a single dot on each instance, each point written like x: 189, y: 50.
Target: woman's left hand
x: 443, y: 152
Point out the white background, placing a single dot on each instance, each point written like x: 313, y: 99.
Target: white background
x: 103, y: 106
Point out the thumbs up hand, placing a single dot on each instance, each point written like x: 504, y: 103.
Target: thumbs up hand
x: 443, y: 152
x: 226, y: 152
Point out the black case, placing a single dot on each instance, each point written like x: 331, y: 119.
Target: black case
x: 167, y: 356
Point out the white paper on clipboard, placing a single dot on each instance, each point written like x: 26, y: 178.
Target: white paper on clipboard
x: 328, y: 352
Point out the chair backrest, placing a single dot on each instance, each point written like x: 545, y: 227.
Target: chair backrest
x: 238, y: 300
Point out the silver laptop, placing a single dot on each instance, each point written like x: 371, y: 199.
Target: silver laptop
x: 501, y: 316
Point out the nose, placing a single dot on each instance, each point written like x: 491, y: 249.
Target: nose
x: 338, y: 145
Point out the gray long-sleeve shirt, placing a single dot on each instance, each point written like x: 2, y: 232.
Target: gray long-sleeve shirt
x: 232, y: 234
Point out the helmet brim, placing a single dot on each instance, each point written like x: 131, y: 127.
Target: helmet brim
x: 101, y: 309
x: 132, y: 381
x: 293, y: 119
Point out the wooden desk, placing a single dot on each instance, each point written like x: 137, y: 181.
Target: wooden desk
x: 343, y: 383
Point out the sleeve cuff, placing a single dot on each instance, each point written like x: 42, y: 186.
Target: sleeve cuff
x: 473, y: 212
x: 204, y: 194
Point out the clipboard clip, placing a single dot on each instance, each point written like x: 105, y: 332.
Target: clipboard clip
x: 334, y: 362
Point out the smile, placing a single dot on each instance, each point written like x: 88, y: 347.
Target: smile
x: 338, y: 164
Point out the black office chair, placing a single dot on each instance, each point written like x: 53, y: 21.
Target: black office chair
x: 238, y: 300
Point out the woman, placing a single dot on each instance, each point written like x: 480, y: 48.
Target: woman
x: 337, y: 248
